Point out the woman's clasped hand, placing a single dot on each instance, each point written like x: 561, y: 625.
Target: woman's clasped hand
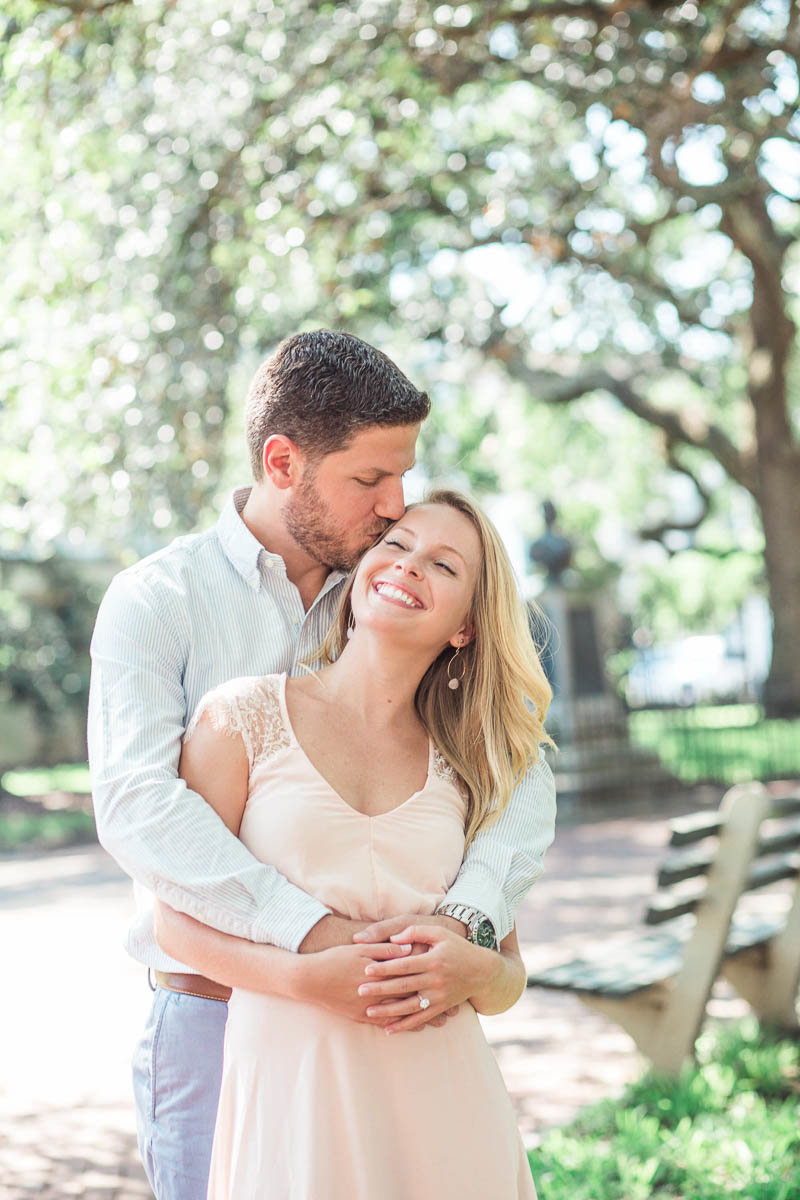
x: 444, y: 969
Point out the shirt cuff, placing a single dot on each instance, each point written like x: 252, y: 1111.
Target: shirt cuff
x: 288, y: 919
x: 477, y: 891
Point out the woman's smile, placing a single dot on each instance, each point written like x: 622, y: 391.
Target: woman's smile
x: 396, y: 594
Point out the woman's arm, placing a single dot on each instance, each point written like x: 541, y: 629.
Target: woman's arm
x: 329, y: 978
x: 505, y: 982
x: 215, y: 765
x: 452, y: 971
x: 222, y: 956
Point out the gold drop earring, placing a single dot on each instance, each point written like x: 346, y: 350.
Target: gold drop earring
x: 454, y: 681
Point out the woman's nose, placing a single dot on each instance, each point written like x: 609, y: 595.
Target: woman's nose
x: 408, y: 565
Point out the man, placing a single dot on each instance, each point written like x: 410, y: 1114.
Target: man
x: 331, y: 427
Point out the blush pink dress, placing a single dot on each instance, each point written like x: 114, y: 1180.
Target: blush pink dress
x: 314, y: 1106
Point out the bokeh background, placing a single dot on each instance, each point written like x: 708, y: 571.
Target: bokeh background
x: 574, y: 223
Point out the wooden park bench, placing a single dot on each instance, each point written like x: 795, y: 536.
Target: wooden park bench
x: 656, y: 985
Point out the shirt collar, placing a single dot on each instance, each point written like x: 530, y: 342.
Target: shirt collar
x: 246, y: 553
x: 242, y: 548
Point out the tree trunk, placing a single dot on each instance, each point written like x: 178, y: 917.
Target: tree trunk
x: 777, y: 453
x: 780, y: 514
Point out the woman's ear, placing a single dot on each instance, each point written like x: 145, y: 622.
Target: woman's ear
x: 464, y: 636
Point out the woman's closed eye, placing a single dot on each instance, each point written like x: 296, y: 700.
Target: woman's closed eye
x: 438, y: 563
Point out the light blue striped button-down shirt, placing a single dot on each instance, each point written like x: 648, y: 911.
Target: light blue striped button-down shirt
x: 211, y: 607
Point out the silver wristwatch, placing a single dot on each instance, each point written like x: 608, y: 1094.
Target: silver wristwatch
x: 480, y: 929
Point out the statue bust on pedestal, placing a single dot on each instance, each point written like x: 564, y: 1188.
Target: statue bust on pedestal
x: 587, y: 719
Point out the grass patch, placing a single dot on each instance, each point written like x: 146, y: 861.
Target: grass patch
x: 727, y: 1127
x: 730, y: 743
x: 38, y: 781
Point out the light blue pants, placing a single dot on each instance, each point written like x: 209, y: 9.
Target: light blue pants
x: 177, y: 1069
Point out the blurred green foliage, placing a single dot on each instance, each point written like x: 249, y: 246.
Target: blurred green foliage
x: 723, y: 744
x: 67, y: 777
x: 34, y: 830
x: 47, y: 608
x: 523, y: 203
x: 726, y: 1127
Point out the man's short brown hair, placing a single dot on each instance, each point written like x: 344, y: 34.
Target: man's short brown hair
x: 321, y: 388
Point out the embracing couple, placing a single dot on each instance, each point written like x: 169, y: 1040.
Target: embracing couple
x: 314, y: 737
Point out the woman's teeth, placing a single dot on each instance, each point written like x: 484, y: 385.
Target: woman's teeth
x: 396, y: 593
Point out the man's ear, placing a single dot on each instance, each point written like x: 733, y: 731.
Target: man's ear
x: 282, y: 461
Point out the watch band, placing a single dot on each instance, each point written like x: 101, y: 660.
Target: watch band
x: 480, y: 928
x: 459, y: 912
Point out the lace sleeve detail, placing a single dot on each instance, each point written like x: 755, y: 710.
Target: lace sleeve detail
x: 441, y: 769
x: 249, y: 708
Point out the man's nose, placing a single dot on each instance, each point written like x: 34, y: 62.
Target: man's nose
x: 390, y: 502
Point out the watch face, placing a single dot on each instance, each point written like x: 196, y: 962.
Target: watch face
x: 483, y: 934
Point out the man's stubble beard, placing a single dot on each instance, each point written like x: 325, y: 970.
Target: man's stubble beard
x: 307, y: 520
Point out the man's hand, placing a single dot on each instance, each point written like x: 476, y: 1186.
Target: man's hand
x: 447, y: 975
x: 382, y: 931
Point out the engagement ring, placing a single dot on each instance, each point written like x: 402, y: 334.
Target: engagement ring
x: 424, y: 1002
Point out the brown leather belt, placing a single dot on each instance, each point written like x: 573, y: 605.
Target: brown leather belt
x: 192, y: 985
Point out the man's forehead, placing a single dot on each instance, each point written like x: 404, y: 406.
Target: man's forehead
x: 382, y: 450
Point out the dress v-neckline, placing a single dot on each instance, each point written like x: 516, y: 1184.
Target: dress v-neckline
x: 355, y: 811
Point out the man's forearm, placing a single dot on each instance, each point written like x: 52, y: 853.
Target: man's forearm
x: 332, y: 931
x: 142, y: 821
x: 503, y: 861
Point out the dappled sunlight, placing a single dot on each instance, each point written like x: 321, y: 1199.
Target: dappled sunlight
x: 55, y: 1153
x: 556, y: 1056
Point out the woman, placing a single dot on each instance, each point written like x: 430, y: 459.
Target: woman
x: 363, y: 784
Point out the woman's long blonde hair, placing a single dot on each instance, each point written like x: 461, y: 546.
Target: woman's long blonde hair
x: 491, y: 727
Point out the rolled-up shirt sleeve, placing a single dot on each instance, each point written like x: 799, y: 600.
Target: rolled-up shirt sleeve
x: 161, y: 833
x: 504, y: 861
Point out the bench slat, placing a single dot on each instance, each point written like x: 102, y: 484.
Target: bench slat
x: 785, y: 838
x: 752, y: 930
x: 628, y: 967
x: 789, y: 803
x: 698, y: 825
x: 687, y: 864
x: 633, y: 965
x: 694, y: 827
x: 782, y: 866
x: 664, y: 906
